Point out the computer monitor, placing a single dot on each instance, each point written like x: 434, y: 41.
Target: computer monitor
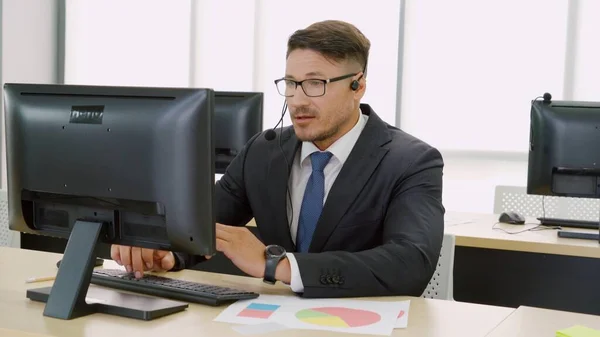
x: 238, y: 117
x: 564, y: 149
x: 120, y: 165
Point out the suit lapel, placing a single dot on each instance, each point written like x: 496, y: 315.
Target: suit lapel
x: 358, y: 168
x: 278, y: 177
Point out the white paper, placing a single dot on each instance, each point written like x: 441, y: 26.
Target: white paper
x: 402, y: 320
x: 93, y: 300
x: 339, y: 315
x: 259, y: 329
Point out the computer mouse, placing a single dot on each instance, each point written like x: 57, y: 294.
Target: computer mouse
x: 512, y: 218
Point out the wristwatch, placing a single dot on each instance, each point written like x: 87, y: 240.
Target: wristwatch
x: 273, y: 254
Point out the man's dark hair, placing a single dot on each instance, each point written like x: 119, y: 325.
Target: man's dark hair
x: 335, y: 40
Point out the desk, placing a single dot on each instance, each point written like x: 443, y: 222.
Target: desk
x: 535, y: 268
x: 479, y: 234
x: 17, y: 313
x: 16, y: 333
x: 527, y: 321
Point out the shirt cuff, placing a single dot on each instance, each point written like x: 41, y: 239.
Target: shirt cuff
x: 296, y: 280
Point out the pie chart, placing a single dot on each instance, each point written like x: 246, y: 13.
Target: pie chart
x: 338, y: 317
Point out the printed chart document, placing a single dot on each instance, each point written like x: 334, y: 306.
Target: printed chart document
x: 340, y: 315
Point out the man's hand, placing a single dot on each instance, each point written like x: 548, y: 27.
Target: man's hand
x: 247, y: 252
x: 242, y: 248
x: 138, y: 260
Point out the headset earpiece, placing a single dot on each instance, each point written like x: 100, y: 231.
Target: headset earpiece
x: 355, y: 84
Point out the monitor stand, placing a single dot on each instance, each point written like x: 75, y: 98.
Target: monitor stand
x: 71, y: 296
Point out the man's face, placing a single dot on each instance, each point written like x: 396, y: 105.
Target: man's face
x: 326, y: 118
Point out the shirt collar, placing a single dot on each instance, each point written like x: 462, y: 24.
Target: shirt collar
x: 342, y: 147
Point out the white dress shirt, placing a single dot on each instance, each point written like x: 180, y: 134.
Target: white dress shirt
x: 301, y: 171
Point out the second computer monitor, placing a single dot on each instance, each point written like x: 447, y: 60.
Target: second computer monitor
x: 564, y: 149
x: 238, y: 117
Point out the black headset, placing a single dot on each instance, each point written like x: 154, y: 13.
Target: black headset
x: 354, y: 85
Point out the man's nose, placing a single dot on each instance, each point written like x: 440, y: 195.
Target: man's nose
x: 299, y: 99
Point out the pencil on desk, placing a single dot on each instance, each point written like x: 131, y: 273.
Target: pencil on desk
x: 40, y: 279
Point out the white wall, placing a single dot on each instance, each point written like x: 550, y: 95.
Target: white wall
x: 471, y: 69
x: 587, y: 65
x: 471, y: 177
x: 29, y: 47
x: 224, y: 45
x: 134, y: 42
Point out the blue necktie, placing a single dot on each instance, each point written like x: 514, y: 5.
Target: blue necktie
x: 312, y: 202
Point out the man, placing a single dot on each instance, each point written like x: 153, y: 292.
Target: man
x: 348, y: 205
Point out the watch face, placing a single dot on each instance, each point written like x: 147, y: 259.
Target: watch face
x: 275, y: 250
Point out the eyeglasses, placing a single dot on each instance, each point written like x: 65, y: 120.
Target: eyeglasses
x: 312, y: 87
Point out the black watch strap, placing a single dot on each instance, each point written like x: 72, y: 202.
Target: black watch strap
x: 272, y: 261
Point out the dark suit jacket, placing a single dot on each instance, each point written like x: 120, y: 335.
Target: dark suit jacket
x: 381, y: 228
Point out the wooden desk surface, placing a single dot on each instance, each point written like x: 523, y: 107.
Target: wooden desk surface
x: 16, y: 333
x: 528, y: 321
x: 17, y: 313
x: 481, y: 234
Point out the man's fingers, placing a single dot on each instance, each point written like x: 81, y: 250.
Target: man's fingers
x: 148, y: 258
x: 230, y: 230
x: 224, y: 247
x: 168, y: 261
x: 224, y: 227
x: 125, y: 252
x: 115, y: 253
x: 137, y: 262
x: 159, y: 254
x: 163, y: 260
x: 224, y: 234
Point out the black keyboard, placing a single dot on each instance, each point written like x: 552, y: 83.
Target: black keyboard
x: 569, y: 223
x: 174, y: 289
